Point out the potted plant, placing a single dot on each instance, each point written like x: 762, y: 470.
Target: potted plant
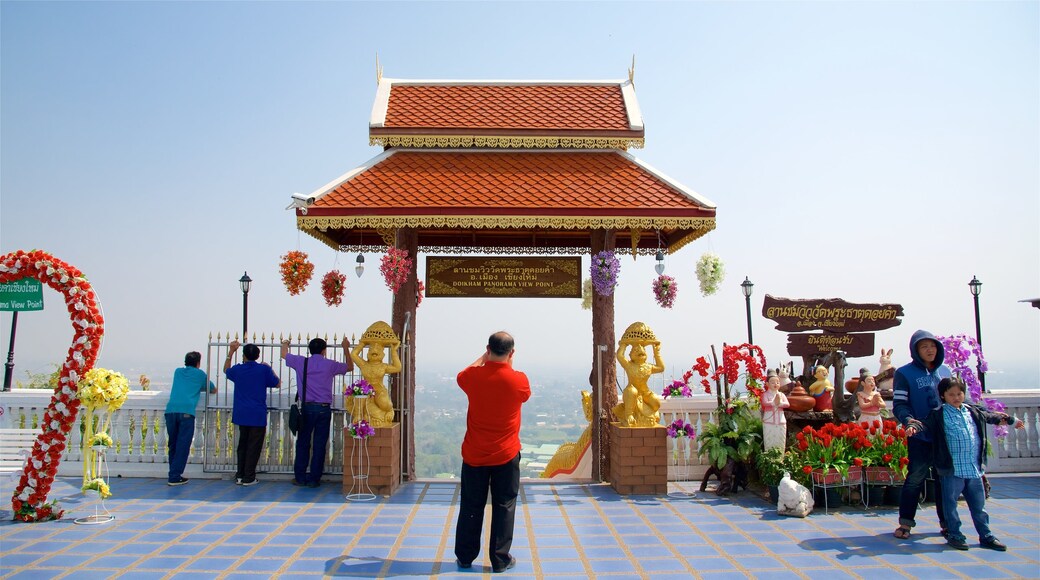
x: 771, y: 465
x: 827, y: 455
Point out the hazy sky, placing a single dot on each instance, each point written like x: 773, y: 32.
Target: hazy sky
x: 875, y: 152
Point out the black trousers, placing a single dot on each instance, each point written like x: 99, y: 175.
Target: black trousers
x: 503, y: 481
x: 250, y: 444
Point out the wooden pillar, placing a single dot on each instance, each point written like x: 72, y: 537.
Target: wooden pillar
x: 603, y: 334
x: 404, y: 396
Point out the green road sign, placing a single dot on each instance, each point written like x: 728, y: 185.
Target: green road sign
x: 21, y: 295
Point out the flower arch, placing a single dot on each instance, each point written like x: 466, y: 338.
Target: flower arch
x: 29, y: 500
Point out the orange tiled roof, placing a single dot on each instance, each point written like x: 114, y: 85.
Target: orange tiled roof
x: 538, y: 107
x: 516, y: 189
x: 502, y: 109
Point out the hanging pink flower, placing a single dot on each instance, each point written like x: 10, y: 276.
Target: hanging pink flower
x: 665, y: 289
x: 395, y: 267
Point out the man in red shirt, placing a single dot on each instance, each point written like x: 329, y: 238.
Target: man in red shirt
x: 491, y: 452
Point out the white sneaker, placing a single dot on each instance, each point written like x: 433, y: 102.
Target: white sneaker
x: 248, y: 483
x: 238, y: 481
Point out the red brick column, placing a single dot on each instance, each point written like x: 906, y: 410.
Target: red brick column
x: 638, y: 460
x: 384, y: 460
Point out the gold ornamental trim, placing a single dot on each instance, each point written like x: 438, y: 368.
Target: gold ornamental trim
x: 318, y: 226
x: 459, y: 141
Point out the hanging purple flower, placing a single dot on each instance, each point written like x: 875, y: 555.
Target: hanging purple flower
x: 958, y: 350
x: 604, y: 271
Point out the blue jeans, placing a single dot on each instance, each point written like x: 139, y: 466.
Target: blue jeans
x: 504, y: 483
x: 920, y: 455
x: 975, y: 496
x: 180, y: 429
x: 311, y: 441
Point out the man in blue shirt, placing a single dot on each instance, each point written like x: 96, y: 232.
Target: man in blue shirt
x: 188, y: 383
x: 252, y: 379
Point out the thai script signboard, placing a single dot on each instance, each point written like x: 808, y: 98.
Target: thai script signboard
x: 503, y: 277
x: 831, y: 314
x: 812, y: 344
x: 21, y: 295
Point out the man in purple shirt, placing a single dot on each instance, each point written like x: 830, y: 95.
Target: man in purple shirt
x: 315, y: 406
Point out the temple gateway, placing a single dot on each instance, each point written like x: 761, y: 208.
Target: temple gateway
x: 506, y: 167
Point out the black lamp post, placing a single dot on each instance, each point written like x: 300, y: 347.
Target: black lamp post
x: 245, y: 281
x: 746, y: 287
x: 976, y: 288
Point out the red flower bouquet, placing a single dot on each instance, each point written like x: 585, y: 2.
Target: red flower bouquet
x: 296, y: 271
x: 332, y: 287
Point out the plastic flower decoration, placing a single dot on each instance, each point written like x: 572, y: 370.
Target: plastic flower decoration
x: 837, y: 447
x: 144, y: 381
x: 665, y: 289
x: 332, y: 288
x: 360, y: 387
x: 395, y: 267
x: 101, y: 438
x: 97, y: 484
x: 296, y: 271
x: 420, y: 289
x: 710, y: 273
x: 104, y: 388
x: 884, y: 446
x: 586, y: 294
x: 361, y: 430
x: 680, y: 428
x: 677, y: 389
x: 29, y: 498
x: 604, y: 271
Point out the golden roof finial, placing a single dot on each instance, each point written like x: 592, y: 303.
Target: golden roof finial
x: 632, y: 71
x: 379, y: 70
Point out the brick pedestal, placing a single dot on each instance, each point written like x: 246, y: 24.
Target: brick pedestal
x: 384, y: 460
x: 638, y: 460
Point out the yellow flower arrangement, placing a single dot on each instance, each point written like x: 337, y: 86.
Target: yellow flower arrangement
x: 102, y: 387
x: 97, y: 484
x: 101, y: 438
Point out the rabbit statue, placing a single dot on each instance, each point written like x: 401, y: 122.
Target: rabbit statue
x: 885, y: 375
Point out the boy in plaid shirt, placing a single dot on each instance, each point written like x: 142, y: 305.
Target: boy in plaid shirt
x: 958, y: 433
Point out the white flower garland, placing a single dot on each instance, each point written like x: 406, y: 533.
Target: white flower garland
x: 710, y: 273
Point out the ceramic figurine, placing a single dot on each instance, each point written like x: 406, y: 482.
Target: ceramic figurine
x: 821, y: 389
x: 774, y: 423
x: 870, y: 401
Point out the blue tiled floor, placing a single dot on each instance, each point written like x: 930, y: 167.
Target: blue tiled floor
x: 214, y: 529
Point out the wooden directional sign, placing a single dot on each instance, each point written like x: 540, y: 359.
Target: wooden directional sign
x: 810, y: 344
x: 503, y: 277
x: 831, y: 314
x: 21, y: 295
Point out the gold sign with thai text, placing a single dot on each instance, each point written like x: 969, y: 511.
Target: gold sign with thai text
x: 831, y: 314
x: 503, y: 277
x: 853, y: 345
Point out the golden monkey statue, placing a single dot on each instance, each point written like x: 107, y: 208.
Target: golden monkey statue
x: 373, y: 367
x: 639, y: 406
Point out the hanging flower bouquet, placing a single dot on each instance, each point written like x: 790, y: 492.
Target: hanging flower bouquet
x: 395, y: 267
x: 420, y: 289
x: 361, y: 430
x: 586, y: 294
x: 29, y: 499
x: 710, y: 273
x: 677, y: 389
x: 665, y: 289
x: 296, y: 271
x: 604, y: 271
x: 332, y: 288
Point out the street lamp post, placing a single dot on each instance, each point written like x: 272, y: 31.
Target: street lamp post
x: 976, y: 288
x: 245, y: 282
x: 746, y: 287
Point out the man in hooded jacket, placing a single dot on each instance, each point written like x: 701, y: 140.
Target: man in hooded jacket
x: 915, y: 394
